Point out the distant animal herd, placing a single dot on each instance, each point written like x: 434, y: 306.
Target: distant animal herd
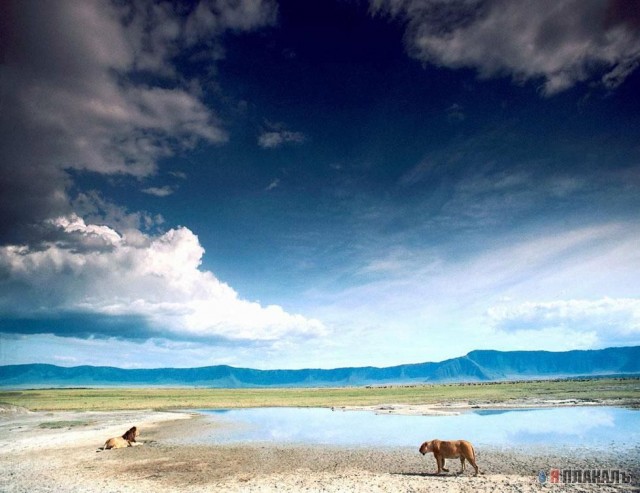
x: 441, y: 449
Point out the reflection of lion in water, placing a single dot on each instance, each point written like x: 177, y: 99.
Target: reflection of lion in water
x: 126, y: 440
x: 443, y: 449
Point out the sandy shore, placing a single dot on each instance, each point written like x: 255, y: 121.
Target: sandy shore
x: 456, y: 408
x: 47, y: 452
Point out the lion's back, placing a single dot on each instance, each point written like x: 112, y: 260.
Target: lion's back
x: 456, y: 448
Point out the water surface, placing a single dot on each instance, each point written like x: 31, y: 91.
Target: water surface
x: 587, y: 427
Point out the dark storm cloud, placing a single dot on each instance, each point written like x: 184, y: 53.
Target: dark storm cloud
x: 80, y: 325
x: 70, y: 100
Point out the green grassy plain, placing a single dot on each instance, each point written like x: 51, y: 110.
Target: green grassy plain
x: 54, y: 425
x: 624, y: 390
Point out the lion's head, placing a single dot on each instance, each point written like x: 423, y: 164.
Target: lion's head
x: 425, y: 447
x: 131, y: 434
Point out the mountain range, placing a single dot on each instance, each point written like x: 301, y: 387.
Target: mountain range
x: 476, y: 366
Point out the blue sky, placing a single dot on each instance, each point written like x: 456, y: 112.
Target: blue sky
x: 317, y: 184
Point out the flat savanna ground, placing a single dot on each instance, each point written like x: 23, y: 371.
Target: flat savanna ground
x: 617, y: 391
x: 56, y: 448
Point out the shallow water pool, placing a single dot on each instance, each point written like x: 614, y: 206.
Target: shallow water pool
x: 585, y: 427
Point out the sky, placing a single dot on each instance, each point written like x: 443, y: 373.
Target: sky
x: 317, y: 184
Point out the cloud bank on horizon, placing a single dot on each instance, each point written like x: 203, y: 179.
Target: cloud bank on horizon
x: 442, y: 176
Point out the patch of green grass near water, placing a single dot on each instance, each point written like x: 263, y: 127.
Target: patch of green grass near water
x: 55, y: 425
x: 625, y: 390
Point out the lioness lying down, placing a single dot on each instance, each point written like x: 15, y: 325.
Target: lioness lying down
x: 444, y: 449
x: 126, y: 440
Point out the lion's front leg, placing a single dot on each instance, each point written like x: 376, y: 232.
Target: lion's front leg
x: 440, y: 462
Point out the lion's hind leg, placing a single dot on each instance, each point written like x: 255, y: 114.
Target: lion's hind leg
x: 473, y: 463
x: 461, y: 464
x: 472, y: 460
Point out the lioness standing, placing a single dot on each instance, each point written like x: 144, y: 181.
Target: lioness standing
x: 444, y: 449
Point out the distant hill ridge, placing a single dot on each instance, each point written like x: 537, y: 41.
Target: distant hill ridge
x: 482, y: 365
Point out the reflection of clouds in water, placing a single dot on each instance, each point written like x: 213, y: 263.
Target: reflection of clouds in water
x: 308, y: 425
x: 557, y: 427
x: 573, y: 421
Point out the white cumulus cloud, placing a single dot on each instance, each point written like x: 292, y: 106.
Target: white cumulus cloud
x: 94, y: 269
